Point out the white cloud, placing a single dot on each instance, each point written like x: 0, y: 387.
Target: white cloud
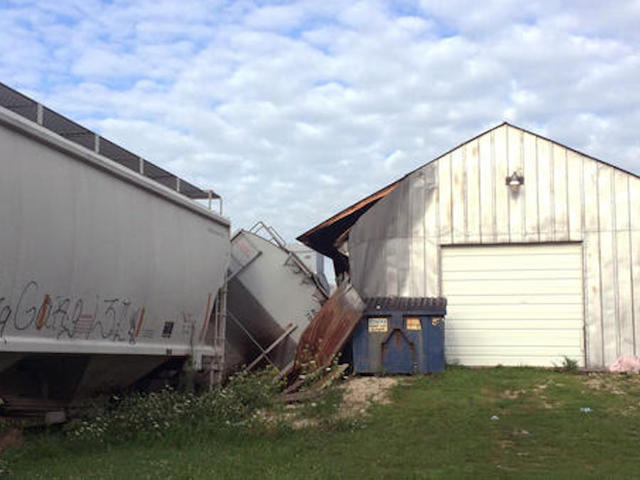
x: 275, y: 17
x: 294, y: 110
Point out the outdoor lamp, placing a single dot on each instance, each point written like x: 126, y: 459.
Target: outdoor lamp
x: 514, y: 181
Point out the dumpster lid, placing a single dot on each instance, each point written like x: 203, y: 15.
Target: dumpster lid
x: 417, y: 305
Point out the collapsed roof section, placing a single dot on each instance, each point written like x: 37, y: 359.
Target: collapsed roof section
x: 327, y: 236
x: 52, y: 121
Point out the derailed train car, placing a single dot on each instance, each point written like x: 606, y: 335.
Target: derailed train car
x: 273, y: 295
x: 109, y: 270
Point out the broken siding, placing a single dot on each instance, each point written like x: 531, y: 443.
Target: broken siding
x: 566, y: 197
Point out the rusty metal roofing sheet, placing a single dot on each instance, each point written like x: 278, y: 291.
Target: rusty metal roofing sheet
x: 330, y: 328
x: 352, y: 208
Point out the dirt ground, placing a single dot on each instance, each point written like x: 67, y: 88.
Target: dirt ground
x: 359, y: 393
x: 616, y: 383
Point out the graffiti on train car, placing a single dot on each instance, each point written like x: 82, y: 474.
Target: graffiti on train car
x: 108, y: 318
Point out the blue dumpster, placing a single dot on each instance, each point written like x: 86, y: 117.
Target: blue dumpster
x: 400, y: 335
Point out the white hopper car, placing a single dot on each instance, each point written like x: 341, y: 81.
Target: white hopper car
x: 108, y: 271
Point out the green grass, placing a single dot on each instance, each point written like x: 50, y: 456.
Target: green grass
x: 436, y: 427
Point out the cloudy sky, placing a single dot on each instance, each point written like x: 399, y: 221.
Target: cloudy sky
x: 294, y: 110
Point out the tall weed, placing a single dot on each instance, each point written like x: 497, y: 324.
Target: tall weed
x: 155, y: 415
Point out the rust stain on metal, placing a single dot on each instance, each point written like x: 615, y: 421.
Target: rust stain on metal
x: 43, y: 311
x: 140, y: 322
x: 206, y: 317
x: 329, y: 329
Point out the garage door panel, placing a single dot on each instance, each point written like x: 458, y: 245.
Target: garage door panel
x: 515, y: 287
x: 532, y: 264
x: 513, y: 305
x: 531, y: 274
x: 524, y: 300
x: 521, y: 324
x: 509, y: 263
x: 546, y: 311
x: 514, y: 337
x: 508, y: 351
x: 556, y: 249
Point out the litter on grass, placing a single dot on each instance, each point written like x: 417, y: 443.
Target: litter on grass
x: 626, y: 363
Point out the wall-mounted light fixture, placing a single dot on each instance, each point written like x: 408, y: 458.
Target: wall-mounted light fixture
x: 514, y: 181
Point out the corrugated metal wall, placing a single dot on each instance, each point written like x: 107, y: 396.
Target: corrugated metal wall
x: 461, y: 198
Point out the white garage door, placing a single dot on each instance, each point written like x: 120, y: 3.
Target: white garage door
x: 513, y: 305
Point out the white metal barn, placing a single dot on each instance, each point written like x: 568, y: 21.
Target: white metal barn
x: 536, y: 247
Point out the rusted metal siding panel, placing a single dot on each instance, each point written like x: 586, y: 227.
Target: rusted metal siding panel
x: 432, y: 232
x: 501, y: 194
x: 398, y: 264
x: 530, y: 170
x: 433, y: 267
x: 369, y: 259
x: 360, y: 262
x: 575, y: 193
x: 635, y: 284
x: 444, y: 187
x: 417, y: 207
x: 593, y: 309
x: 458, y: 195
x: 561, y: 203
x: 487, y: 189
x: 392, y: 266
x: 474, y: 204
x: 398, y: 224
x: 374, y: 270
x: 623, y: 263
x: 634, y: 239
x: 608, y: 278
x: 516, y: 198
x: 592, y: 317
x: 590, y: 199
x: 545, y: 190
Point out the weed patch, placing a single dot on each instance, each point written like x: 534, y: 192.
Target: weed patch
x: 175, y: 413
